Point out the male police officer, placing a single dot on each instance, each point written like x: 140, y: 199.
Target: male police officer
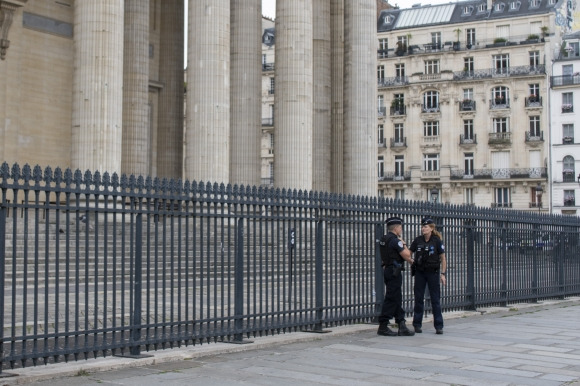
x: 394, y: 252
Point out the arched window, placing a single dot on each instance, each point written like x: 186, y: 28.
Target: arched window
x: 569, y: 169
x: 431, y: 101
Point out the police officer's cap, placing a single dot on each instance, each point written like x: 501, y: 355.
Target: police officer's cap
x: 427, y: 220
x: 394, y: 221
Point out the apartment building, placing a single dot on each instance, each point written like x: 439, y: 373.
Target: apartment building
x: 463, y: 102
x: 565, y: 144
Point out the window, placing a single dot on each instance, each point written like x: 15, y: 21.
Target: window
x: 481, y: 7
x: 436, y: 40
x: 383, y: 48
x: 502, y: 197
x: 468, y: 129
x: 381, y: 105
x: 498, y: 7
x: 271, y: 141
x: 534, y: 89
x: 535, y: 3
x: 263, y: 60
x: 500, y: 125
x: 568, y: 133
x: 399, y: 166
x: 272, y: 85
x: 431, y: 129
x: 569, y: 198
x: 567, y: 102
x: 535, y: 126
x: 569, y: 170
x: 468, y: 196
x: 271, y: 171
x: 381, y: 134
x: 567, y: 69
x: 399, y: 194
x: 402, y: 40
x: 500, y: 95
x: 399, y: 70
x: 534, y: 58
x: 501, y: 63
x: 399, y: 133
x: 502, y: 31
x: 431, y: 101
x: 432, y: 67
x: 381, y: 72
x: 468, y: 64
x: 573, y: 49
x: 470, y: 37
x: 430, y: 162
x: 515, y: 5
x: 536, y: 27
x: 467, y: 10
x: 468, y: 164
x: 381, y: 166
x: 468, y: 94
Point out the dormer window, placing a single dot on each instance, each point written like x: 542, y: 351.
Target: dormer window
x: 551, y: 2
x: 482, y: 7
x: 388, y: 19
x: 515, y: 5
x: 498, y: 7
x: 467, y: 10
x: 535, y: 3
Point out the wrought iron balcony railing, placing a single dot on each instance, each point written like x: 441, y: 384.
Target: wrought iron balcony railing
x: 570, y: 202
x: 398, y: 142
x: 501, y: 204
x: 493, y: 72
x: 394, y: 81
x: 533, y: 101
x: 534, y: 136
x: 567, y: 140
x: 267, y: 66
x: 430, y: 108
x: 565, y: 80
x: 399, y: 110
x: 499, y: 103
x: 467, y: 105
x: 406, y: 176
x: 382, y: 111
x: 459, y: 174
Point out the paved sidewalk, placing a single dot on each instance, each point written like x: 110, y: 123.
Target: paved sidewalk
x: 526, y: 344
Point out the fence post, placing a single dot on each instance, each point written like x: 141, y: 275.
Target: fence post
x: 318, y: 276
x: 471, y: 266
x: 536, y: 238
x: 2, y: 279
x: 138, y: 286
x: 379, y: 278
x: 504, y: 263
x: 239, y: 284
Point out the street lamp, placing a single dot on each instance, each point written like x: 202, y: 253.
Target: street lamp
x: 539, y: 192
x: 434, y: 195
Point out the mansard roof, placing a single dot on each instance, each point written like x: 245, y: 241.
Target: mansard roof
x: 460, y: 12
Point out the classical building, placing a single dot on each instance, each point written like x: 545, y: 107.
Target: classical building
x: 463, y: 101
x: 565, y: 144
x: 99, y: 85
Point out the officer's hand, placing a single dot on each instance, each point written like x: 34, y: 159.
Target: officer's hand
x: 443, y: 279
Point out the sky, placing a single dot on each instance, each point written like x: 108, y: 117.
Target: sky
x: 269, y: 6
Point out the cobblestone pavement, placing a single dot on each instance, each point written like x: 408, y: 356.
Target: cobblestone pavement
x: 524, y: 344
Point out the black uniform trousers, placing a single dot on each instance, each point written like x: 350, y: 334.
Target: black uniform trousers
x: 393, y: 303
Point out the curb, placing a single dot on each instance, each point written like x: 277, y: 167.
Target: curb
x: 70, y: 369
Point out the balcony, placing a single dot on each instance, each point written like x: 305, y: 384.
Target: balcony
x: 501, y: 204
x: 488, y: 174
x: 393, y: 82
x: 406, y: 176
x: 430, y: 109
x: 565, y: 80
x: 467, y: 141
x: 533, y: 137
x: 568, y: 176
x: 382, y: 54
x: 431, y: 141
x: 533, y: 101
x: 503, y: 72
x: 568, y: 141
x: 382, y: 143
x: 467, y: 105
x: 382, y: 112
x: 398, y: 111
x: 567, y: 108
x: 267, y: 121
x: 569, y: 201
x: 267, y: 66
x: 500, y: 139
x: 430, y: 174
x: 398, y: 143
x: 499, y: 103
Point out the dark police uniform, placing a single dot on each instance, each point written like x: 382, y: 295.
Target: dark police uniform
x: 427, y: 261
x: 390, y: 246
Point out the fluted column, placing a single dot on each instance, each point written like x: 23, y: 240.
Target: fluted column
x: 245, y: 94
x: 293, y: 108
x: 208, y: 91
x: 322, y: 95
x: 98, y: 85
x: 360, y: 97
x: 136, y: 132
x: 337, y: 76
x: 171, y: 97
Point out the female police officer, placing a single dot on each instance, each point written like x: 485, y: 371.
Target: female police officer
x: 429, y: 267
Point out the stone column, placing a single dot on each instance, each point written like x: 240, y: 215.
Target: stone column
x: 322, y: 95
x: 98, y: 85
x: 208, y: 91
x: 171, y: 97
x: 245, y: 93
x: 136, y: 132
x: 337, y: 76
x: 360, y: 98
x: 293, y: 144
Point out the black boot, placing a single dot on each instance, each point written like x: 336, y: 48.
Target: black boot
x: 403, y: 330
x: 385, y: 330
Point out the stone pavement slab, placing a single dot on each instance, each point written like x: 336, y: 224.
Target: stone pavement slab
x: 527, y: 344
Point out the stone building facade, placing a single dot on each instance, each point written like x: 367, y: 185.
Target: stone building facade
x: 99, y: 85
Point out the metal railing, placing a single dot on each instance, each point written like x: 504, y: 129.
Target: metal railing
x: 501, y: 72
x: 534, y: 173
x: 94, y: 265
x: 398, y: 142
x: 533, y: 101
x: 467, y: 105
x: 565, y: 80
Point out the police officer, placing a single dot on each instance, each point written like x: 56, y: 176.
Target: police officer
x: 429, y: 268
x: 394, y: 252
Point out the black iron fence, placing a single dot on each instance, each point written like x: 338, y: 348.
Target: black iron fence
x: 94, y: 265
